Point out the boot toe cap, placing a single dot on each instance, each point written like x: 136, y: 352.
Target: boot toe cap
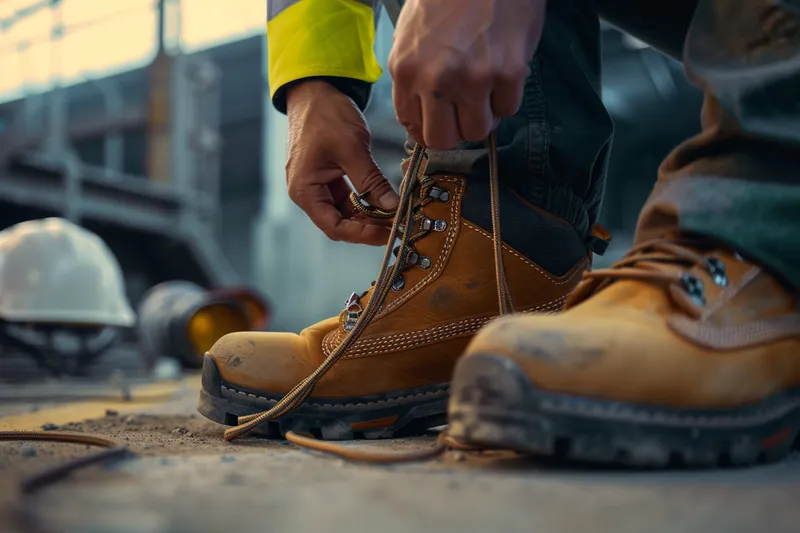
x: 571, y: 357
x: 545, y: 339
x: 270, y: 362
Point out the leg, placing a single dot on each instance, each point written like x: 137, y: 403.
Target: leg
x: 684, y: 352
x: 738, y: 181
x: 395, y: 376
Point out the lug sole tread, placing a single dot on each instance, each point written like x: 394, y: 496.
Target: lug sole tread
x: 494, y: 405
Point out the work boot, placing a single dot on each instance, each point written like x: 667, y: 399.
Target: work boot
x: 394, y: 379
x: 683, y: 353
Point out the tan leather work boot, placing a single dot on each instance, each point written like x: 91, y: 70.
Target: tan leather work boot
x: 395, y: 378
x: 681, y: 353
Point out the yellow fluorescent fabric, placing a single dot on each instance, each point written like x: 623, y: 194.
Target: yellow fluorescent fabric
x: 322, y: 38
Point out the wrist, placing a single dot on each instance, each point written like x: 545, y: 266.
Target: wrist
x: 358, y: 91
x: 303, y: 90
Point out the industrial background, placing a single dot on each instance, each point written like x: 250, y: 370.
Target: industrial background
x: 150, y: 124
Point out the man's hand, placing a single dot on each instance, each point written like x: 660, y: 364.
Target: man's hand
x: 328, y: 138
x: 460, y: 65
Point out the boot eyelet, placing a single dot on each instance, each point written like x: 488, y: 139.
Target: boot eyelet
x: 352, y: 318
x: 398, y: 284
x: 412, y: 258
x: 694, y: 288
x: 425, y: 262
x: 440, y: 194
x: 716, y: 268
x: 436, y: 225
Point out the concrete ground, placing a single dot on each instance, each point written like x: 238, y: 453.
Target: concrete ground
x: 185, y: 478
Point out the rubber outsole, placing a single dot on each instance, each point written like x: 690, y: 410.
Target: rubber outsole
x: 397, y: 414
x: 494, y: 405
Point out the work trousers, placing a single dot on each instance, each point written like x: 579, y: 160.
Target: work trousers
x: 736, y: 182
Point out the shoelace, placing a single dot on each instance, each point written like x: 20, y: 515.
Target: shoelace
x: 655, y: 261
x: 412, y: 181
x: 113, y: 450
x: 427, y: 193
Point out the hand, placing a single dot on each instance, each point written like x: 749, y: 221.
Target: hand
x: 328, y: 138
x: 460, y: 65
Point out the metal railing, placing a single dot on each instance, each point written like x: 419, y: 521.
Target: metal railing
x: 39, y: 118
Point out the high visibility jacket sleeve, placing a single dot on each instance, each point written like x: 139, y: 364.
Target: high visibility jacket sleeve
x: 329, y: 39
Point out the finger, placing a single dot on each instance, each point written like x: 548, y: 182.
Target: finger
x: 340, y: 191
x: 317, y: 200
x: 408, y: 109
x: 439, y: 123
x: 368, y: 180
x: 404, y: 72
x: 475, y: 119
x: 327, y: 218
x: 509, y: 88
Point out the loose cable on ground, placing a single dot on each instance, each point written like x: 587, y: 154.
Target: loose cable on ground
x: 36, y: 482
x: 30, y: 485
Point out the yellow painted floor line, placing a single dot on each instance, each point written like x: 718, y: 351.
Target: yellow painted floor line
x: 143, y: 396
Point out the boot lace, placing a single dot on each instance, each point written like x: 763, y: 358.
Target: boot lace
x: 415, y: 192
x: 407, y: 256
x: 667, y: 261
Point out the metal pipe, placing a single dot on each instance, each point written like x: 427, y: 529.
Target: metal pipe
x: 162, y: 26
x: 114, y: 107
x: 56, y: 138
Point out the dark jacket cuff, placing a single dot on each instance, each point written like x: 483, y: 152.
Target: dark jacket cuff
x: 358, y: 91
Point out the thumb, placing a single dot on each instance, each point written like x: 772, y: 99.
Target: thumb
x: 369, y: 181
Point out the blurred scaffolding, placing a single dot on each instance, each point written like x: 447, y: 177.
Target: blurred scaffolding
x: 53, y: 50
x: 47, y: 43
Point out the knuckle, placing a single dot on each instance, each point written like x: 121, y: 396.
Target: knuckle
x: 440, y: 77
x: 407, y: 117
x: 401, y: 68
x: 295, y: 189
x: 331, y: 235
x: 382, y: 187
x: 504, y: 108
x: 512, y: 74
x: 373, y: 179
x: 294, y: 193
x: 479, y: 75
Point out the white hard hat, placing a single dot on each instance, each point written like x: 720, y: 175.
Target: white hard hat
x: 53, y: 271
